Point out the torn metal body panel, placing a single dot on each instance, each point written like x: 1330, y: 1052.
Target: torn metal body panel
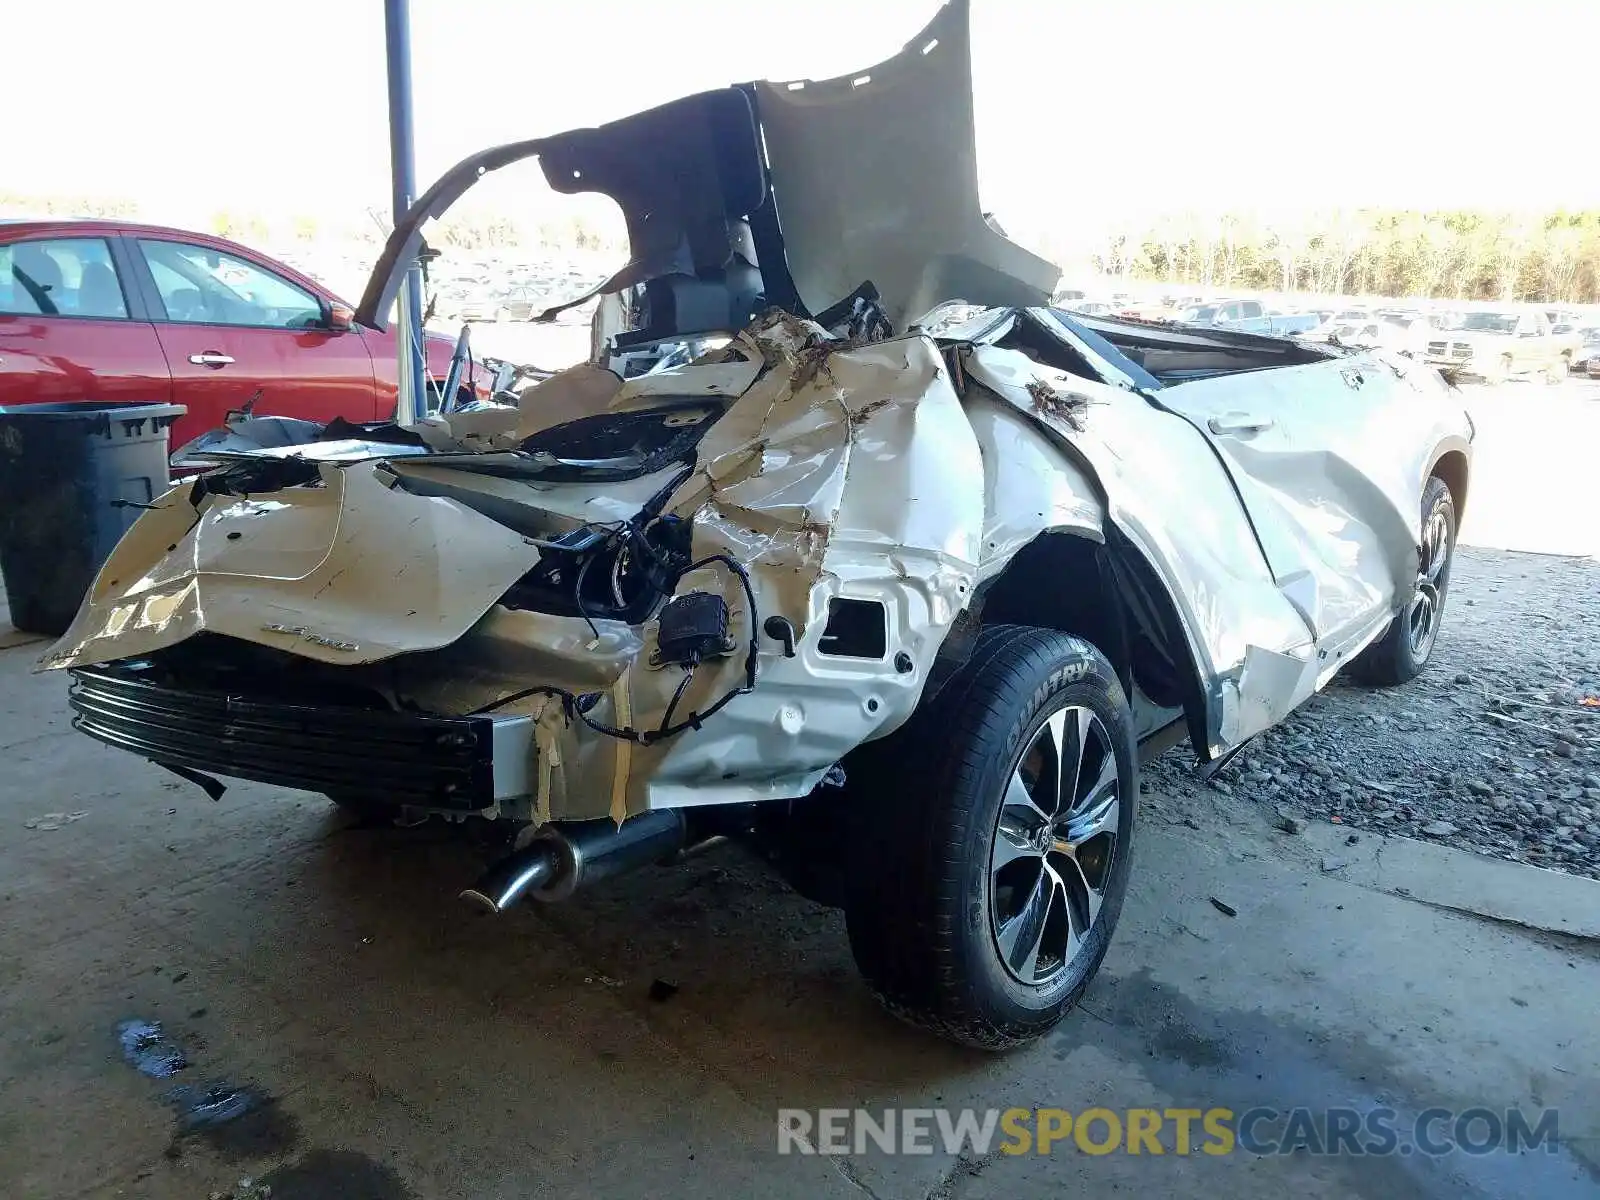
x: 888, y: 482
x: 1330, y: 463
x: 848, y: 210
x: 779, y: 194
x: 1152, y: 466
x: 842, y: 475
x: 326, y: 570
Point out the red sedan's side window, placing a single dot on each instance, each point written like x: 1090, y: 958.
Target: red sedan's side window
x: 60, y: 277
x: 199, y: 285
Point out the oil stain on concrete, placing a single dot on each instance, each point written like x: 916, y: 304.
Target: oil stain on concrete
x: 1243, y: 1060
x: 335, y: 1175
x: 238, y: 1123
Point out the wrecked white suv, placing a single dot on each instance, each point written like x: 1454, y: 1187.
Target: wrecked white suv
x: 903, y: 611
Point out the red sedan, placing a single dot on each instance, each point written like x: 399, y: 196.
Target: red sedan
x: 110, y: 311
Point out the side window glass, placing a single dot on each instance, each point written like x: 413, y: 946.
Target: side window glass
x: 200, y: 285
x: 1250, y: 308
x: 60, y: 277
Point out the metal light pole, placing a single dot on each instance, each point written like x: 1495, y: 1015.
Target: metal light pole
x: 408, y: 326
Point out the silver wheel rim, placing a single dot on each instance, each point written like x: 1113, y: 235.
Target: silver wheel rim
x: 1054, y: 846
x: 1422, y: 619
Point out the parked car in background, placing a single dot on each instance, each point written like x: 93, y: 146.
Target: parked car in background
x: 1421, y: 328
x: 446, y: 304
x: 1246, y: 316
x: 1586, y: 360
x: 1399, y: 330
x: 1568, y: 336
x: 482, y: 307
x: 1373, y: 333
x: 1367, y: 334
x: 1153, y: 310
x: 1292, y: 324
x: 523, y: 303
x: 111, y: 311
x: 1496, y: 344
x: 1343, y: 318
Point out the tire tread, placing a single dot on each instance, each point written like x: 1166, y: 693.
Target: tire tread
x: 907, y: 891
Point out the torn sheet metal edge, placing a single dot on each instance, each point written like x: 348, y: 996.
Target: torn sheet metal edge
x: 920, y: 236
x: 790, y: 445
x: 352, y: 592
x: 827, y: 436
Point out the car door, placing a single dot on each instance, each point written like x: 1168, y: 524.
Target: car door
x: 1330, y: 459
x: 1172, y: 497
x: 71, y: 329
x: 232, y: 329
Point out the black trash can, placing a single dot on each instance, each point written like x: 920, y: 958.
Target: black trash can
x: 63, y: 467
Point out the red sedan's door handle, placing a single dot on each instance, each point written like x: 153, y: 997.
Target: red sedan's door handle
x: 1238, y: 422
x: 211, y: 358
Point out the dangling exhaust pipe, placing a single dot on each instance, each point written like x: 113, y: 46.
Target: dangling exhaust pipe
x: 560, y: 858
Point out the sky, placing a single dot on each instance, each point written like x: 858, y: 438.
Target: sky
x: 1083, y: 109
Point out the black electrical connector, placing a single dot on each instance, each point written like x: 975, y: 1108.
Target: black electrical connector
x: 692, y: 627
x: 577, y: 706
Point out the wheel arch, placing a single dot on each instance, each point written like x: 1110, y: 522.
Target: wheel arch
x: 1452, y: 464
x: 1107, y: 593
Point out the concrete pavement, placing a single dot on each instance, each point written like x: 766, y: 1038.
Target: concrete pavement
x: 396, y: 1046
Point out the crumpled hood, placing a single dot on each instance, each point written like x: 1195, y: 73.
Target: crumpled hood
x: 250, y: 568
x: 870, y: 177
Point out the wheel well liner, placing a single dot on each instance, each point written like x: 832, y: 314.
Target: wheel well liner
x: 1109, y: 595
x: 1451, y: 466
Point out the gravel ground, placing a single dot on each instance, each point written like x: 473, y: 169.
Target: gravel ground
x: 1491, y: 749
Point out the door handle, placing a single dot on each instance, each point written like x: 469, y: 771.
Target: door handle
x: 211, y: 358
x: 1238, y: 422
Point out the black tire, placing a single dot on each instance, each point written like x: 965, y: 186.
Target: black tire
x: 922, y: 904
x: 1398, y: 656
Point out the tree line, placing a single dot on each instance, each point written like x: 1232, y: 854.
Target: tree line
x: 1457, y: 254
x: 1462, y: 254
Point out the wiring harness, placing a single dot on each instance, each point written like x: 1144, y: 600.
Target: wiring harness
x: 577, y: 706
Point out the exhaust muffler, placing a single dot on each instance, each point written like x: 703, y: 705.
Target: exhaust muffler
x: 561, y: 858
